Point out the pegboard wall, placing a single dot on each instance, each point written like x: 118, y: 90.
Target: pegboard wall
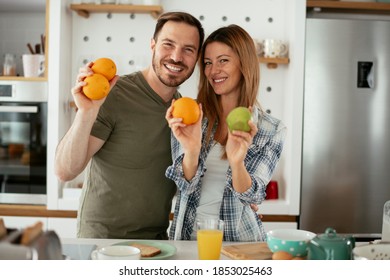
x: 126, y: 37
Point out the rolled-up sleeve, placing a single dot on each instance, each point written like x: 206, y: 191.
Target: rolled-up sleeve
x: 261, y: 160
x: 175, y: 171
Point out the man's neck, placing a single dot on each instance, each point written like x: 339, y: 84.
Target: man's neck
x: 165, y: 92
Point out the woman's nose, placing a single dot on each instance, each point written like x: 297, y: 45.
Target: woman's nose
x: 215, y: 69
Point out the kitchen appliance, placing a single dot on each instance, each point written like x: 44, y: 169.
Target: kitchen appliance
x: 346, y: 127
x: 23, y: 138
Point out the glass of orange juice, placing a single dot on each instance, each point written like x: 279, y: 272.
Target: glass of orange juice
x: 209, y: 236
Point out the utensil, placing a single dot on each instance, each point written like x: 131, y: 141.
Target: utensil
x: 331, y: 246
x: 43, y: 43
x: 30, y: 48
x: 37, y: 48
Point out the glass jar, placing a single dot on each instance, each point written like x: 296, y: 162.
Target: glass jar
x: 386, y: 222
x: 9, y: 66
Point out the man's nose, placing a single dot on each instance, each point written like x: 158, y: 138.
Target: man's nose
x: 176, y: 55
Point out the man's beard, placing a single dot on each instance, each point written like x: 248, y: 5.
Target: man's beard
x: 171, y: 80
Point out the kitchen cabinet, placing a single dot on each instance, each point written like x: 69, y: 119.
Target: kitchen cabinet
x: 348, y: 7
x: 84, y: 10
x: 23, y: 222
x: 64, y: 227
x: 24, y: 24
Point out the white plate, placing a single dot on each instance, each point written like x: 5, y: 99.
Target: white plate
x: 372, y: 252
x: 167, y: 250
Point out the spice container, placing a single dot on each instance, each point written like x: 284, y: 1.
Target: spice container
x: 9, y: 66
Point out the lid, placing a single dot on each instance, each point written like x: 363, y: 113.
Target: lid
x: 330, y: 235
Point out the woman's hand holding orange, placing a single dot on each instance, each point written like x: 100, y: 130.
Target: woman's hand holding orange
x: 189, y: 136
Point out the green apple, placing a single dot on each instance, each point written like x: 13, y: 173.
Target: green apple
x: 238, y: 119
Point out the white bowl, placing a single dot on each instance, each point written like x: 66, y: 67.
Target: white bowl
x: 372, y: 252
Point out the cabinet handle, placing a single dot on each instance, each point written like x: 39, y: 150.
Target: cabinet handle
x: 18, y: 109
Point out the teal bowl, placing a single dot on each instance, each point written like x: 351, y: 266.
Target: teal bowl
x: 292, y: 241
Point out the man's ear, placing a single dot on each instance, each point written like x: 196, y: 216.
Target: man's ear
x: 152, y: 44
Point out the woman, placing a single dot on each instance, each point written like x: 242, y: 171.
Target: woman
x: 219, y: 174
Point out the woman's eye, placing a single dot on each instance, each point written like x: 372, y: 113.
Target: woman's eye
x: 207, y: 63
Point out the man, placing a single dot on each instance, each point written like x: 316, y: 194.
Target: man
x: 126, y: 139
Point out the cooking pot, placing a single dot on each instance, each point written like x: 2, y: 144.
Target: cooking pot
x: 331, y: 246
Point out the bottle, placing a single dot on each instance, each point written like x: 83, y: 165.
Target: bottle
x: 9, y: 66
x: 386, y: 222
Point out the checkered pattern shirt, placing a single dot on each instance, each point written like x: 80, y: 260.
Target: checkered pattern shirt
x: 241, y: 222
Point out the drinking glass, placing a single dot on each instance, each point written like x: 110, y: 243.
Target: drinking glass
x: 209, y: 236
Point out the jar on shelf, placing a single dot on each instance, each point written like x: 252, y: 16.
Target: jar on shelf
x: 9, y: 66
x: 386, y: 222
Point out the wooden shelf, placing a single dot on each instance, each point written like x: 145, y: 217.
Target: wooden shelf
x: 84, y: 10
x: 34, y: 211
x: 272, y: 63
x: 348, y: 7
x: 20, y: 78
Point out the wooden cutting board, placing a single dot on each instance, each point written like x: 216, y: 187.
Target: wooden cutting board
x: 249, y: 251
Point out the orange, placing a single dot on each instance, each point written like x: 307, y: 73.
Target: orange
x: 104, y: 66
x: 97, y: 86
x: 187, y: 109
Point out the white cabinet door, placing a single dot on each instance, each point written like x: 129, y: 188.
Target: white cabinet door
x: 64, y: 227
x: 276, y: 225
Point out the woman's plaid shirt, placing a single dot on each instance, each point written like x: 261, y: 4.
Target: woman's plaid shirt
x: 241, y: 222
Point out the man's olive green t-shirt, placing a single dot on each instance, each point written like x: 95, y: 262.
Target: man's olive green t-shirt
x: 126, y: 193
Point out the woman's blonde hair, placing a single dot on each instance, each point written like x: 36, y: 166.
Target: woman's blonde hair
x: 242, y: 44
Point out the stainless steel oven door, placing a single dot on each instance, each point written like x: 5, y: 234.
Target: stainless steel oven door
x: 23, y: 138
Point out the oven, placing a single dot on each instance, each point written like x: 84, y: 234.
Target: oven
x: 23, y: 142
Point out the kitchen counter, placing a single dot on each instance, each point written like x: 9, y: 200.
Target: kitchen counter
x: 80, y: 248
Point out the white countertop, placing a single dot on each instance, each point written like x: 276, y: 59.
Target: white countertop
x: 81, y: 247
